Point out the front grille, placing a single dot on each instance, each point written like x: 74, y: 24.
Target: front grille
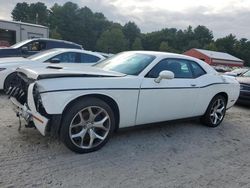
x: 19, y: 89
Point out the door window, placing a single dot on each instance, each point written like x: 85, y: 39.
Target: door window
x: 197, y: 70
x: 68, y: 57
x: 36, y: 46
x: 179, y: 67
x: 87, y: 58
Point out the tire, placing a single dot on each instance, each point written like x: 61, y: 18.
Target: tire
x: 10, y: 80
x: 87, y: 125
x: 215, y: 112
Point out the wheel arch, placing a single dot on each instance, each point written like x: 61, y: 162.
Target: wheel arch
x: 109, y: 100
x: 10, y: 74
x: 224, y: 94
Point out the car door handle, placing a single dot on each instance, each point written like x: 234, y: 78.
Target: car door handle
x: 193, y: 85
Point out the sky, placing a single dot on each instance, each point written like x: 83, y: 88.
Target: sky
x: 221, y: 16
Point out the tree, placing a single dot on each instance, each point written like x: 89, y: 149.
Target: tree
x: 226, y: 44
x: 211, y: 46
x: 131, y: 32
x: 164, y: 47
x: 36, y: 13
x: 21, y: 12
x: 203, y: 35
x: 112, y: 41
x: 137, y: 45
x: 78, y: 25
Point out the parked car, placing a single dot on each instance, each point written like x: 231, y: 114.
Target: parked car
x: 237, y: 72
x: 42, y: 59
x: 85, y: 106
x: 244, y: 81
x: 33, y: 46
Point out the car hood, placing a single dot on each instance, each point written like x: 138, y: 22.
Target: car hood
x: 58, y: 72
x: 243, y: 80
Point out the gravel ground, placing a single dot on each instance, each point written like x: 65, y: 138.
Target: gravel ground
x: 183, y: 154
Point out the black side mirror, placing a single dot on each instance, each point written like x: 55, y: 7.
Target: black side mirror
x: 55, y: 60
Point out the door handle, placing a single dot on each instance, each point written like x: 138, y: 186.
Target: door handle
x: 193, y: 85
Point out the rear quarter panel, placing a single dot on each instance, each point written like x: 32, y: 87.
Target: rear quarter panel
x: 216, y: 84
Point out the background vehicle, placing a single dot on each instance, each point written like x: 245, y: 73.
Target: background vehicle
x: 244, y: 81
x: 33, y: 46
x: 60, y: 55
x: 85, y: 106
x: 237, y: 72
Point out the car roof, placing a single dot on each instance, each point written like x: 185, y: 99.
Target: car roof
x: 55, y: 40
x: 207, y: 67
x: 76, y: 50
x: 168, y: 55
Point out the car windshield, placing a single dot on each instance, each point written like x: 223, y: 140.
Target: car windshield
x: 247, y: 74
x: 19, y: 44
x: 42, y: 54
x: 127, y: 63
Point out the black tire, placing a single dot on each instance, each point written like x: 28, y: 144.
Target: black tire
x: 72, y: 114
x: 209, y: 117
x: 10, y: 81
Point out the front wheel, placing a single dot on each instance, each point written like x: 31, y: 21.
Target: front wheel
x: 215, y: 112
x: 87, y: 125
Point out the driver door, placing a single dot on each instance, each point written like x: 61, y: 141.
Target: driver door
x: 170, y: 99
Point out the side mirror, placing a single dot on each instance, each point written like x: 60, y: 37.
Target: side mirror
x: 55, y: 60
x: 24, y: 49
x: 164, y: 75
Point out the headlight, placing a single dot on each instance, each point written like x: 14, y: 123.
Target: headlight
x: 1, y: 69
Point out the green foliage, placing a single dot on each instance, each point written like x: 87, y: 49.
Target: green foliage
x: 94, y: 32
x: 164, y: 47
x: 36, y: 13
x: 211, y: 46
x: 21, y: 12
x: 112, y: 41
x: 137, y: 44
x: 131, y: 32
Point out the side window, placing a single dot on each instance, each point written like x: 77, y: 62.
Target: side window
x: 155, y: 71
x: 68, y: 57
x: 179, y: 67
x: 197, y: 70
x: 36, y: 46
x: 87, y: 58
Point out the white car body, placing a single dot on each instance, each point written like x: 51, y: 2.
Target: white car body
x: 10, y: 64
x: 140, y: 100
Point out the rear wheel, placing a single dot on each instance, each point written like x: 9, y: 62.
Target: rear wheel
x: 215, y: 112
x: 87, y: 125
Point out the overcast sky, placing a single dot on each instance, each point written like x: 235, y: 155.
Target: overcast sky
x: 221, y: 16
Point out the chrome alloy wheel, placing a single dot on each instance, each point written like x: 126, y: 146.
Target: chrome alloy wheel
x: 217, y: 112
x: 89, y: 127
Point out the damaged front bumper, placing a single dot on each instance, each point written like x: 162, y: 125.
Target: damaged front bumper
x: 29, y: 113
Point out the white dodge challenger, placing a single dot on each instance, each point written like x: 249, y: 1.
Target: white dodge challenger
x: 85, y: 106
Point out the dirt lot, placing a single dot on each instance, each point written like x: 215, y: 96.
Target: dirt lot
x: 176, y: 155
